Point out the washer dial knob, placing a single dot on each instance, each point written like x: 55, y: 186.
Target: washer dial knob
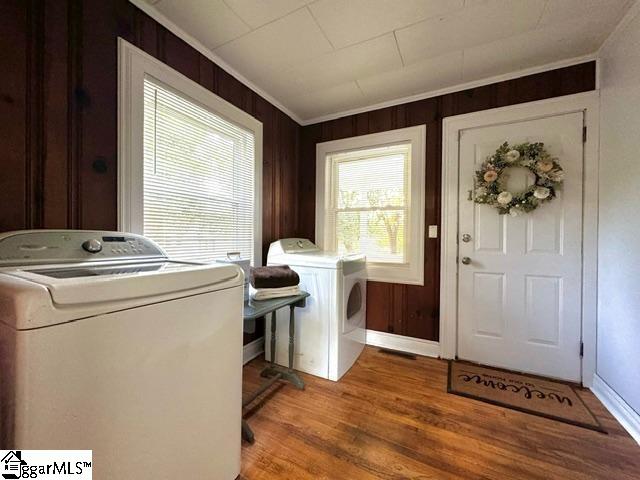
x: 92, y: 246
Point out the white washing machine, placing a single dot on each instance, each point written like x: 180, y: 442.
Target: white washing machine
x: 330, y: 331
x: 108, y: 345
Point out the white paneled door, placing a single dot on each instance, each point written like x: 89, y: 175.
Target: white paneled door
x: 519, y: 297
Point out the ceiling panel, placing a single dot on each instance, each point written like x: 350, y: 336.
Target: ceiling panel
x: 211, y: 22
x: 482, y: 23
x: 258, y: 12
x: 367, y: 58
x: 559, y: 10
x: 334, y: 99
x: 431, y: 74
x: 549, y: 44
x: 283, y: 43
x: 351, y: 21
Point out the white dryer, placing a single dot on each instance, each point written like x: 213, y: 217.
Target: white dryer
x: 108, y: 345
x: 330, y: 330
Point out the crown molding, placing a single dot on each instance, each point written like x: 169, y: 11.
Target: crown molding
x: 159, y: 17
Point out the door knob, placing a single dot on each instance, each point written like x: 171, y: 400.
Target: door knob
x: 466, y: 238
x: 466, y: 260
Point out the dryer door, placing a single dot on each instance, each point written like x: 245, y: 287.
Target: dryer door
x: 353, y: 322
x: 354, y: 302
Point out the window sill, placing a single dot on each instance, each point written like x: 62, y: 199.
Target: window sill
x: 402, y: 274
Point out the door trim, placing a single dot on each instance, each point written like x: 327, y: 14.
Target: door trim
x: 588, y: 103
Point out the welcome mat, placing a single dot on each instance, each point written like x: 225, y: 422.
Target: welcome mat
x: 526, y: 393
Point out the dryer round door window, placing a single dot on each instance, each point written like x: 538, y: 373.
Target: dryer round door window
x: 354, y: 303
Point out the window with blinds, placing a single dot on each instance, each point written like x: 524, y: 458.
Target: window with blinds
x: 370, y: 198
x: 370, y: 201
x: 199, y: 171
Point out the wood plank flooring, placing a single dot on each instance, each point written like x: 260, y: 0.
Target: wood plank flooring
x: 391, y: 418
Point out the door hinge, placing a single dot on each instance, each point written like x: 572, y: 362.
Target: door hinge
x: 582, y: 349
x: 584, y: 134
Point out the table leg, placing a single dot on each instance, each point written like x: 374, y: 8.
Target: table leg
x: 285, y: 374
x: 247, y: 433
x: 271, y: 369
x: 290, y: 375
x: 273, y: 338
x: 292, y: 332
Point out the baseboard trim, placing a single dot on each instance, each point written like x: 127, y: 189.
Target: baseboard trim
x: 417, y: 346
x: 627, y: 416
x: 252, y: 350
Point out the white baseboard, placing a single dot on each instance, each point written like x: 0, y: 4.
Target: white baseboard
x: 252, y: 350
x: 401, y: 343
x: 627, y: 416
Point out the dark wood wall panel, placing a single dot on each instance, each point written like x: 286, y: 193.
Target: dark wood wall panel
x: 15, y: 28
x: 407, y: 309
x: 100, y: 24
x: 58, y: 114
x: 55, y: 113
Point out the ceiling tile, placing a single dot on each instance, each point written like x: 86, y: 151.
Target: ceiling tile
x: 482, y: 22
x: 427, y: 75
x: 258, y: 12
x: 275, y: 46
x: 322, y: 102
x: 367, y: 58
x: 212, y: 22
x: 352, y: 21
x: 534, y: 48
x: 560, y: 10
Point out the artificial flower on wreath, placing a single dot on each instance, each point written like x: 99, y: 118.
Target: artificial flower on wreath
x: 490, y: 188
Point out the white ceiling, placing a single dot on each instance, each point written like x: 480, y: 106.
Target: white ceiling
x: 320, y: 57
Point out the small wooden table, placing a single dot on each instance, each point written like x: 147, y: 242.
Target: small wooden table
x: 254, y: 309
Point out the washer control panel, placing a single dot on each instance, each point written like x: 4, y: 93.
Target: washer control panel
x: 59, y: 246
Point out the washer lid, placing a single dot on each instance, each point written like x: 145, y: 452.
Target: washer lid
x: 292, y: 245
x: 319, y: 259
x: 88, y: 283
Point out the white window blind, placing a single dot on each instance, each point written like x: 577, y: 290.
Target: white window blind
x: 199, y: 170
x: 370, y: 201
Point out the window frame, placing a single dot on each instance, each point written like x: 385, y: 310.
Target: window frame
x: 133, y: 66
x: 411, y: 272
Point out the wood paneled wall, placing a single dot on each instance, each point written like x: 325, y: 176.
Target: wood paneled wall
x: 406, y: 309
x: 58, y: 114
